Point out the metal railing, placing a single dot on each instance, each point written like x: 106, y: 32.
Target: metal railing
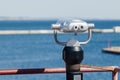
x: 114, y: 69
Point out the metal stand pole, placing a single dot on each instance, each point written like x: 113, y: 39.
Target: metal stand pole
x: 73, y: 56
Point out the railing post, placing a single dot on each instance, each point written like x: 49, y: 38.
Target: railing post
x: 115, y: 74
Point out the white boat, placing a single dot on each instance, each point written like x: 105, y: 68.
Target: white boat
x: 112, y: 49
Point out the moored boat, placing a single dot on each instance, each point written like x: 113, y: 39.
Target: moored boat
x: 112, y: 50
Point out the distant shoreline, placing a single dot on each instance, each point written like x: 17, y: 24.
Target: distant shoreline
x: 19, y: 18
x: 30, y: 18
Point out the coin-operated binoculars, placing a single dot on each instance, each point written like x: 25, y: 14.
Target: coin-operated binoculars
x: 72, y: 52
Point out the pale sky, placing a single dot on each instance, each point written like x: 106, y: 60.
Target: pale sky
x: 93, y: 9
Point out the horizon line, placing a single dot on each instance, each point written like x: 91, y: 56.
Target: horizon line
x: 3, y: 18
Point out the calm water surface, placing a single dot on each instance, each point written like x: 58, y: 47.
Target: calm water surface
x: 38, y: 51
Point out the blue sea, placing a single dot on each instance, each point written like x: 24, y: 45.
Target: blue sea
x: 40, y: 50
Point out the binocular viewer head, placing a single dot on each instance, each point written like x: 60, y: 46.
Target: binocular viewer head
x: 72, y: 26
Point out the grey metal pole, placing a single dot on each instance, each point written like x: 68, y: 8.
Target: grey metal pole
x: 73, y: 56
